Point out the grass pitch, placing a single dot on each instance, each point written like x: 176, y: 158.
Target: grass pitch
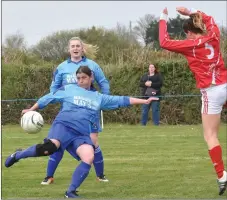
x: 140, y: 162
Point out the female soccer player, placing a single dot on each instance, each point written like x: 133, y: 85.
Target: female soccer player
x: 65, y: 74
x: 71, y: 127
x: 202, y: 50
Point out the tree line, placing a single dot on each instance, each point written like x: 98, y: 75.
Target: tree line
x: 111, y: 42
x: 124, y: 54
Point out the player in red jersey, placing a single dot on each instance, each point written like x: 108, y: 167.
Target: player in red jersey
x: 202, y: 50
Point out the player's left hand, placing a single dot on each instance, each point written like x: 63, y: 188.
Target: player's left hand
x: 183, y: 11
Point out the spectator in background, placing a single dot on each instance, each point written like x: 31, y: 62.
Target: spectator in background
x: 151, y: 84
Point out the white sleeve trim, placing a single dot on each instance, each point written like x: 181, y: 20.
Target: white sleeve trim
x: 193, y: 10
x: 164, y: 16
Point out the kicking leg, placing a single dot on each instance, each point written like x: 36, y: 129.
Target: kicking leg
x: 45, y: 149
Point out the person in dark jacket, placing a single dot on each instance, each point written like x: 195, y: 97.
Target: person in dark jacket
x: 151, y: 84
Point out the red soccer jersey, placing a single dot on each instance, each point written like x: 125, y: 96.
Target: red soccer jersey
x: 203, y: 54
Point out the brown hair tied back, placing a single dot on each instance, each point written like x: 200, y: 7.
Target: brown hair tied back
x: 198, y: 21
x: 194, y: 24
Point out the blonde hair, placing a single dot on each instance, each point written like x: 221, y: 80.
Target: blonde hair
x: 88, y: 49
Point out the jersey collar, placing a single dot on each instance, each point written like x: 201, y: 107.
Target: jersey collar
x: 82, y: 60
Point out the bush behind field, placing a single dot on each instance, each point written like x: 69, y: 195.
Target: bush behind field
x: 31, y: 82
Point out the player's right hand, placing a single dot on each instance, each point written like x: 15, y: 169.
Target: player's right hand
x: 24, y: 111
x: 165, y: 11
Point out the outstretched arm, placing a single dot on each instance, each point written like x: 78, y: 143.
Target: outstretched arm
x: 113, y: 102
x: 136, y: 101
x: 33, y: 108
x: 47, y: 99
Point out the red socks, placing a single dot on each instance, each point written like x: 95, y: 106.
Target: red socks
x: 216, y: 157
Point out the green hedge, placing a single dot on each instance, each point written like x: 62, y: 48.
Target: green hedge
x: 31, y: 82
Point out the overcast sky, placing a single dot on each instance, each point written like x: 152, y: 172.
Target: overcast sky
x: 39, y: 19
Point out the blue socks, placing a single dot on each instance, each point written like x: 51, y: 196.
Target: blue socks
x: 79, y: 176
x: 53, y: 162
x: 29, y: 152
x: 98, y: 162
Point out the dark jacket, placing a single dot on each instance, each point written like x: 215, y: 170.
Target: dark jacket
x: 156, y: 80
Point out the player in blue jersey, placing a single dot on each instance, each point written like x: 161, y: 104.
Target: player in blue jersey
x: 72, y: 126
x: 65, y: 74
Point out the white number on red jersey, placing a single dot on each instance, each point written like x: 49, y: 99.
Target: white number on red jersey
x: 210, y: 47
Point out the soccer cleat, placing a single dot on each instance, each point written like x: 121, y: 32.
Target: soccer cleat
x: 72, y: 194
x: 222, y: 184
x: 102, y: 178
x: 11, y: 159
x: 47, y: 181
x: 222, y: 187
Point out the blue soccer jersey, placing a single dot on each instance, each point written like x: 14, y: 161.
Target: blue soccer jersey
x: 81, y: 107
x: 66, y: 74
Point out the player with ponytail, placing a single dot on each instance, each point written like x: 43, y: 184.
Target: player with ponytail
x: 202, y: 50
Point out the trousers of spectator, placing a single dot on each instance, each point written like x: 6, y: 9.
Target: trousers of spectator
x: 155, y: 107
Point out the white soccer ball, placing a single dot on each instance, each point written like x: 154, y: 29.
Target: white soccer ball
x: 32, y: 122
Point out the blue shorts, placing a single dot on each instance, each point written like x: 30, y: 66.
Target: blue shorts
x: 72, y: 151
x: 69, y: 138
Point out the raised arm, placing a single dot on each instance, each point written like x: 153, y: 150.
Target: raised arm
x: 211, y: 26
x: 178, y: 46
x: 100, y: 78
